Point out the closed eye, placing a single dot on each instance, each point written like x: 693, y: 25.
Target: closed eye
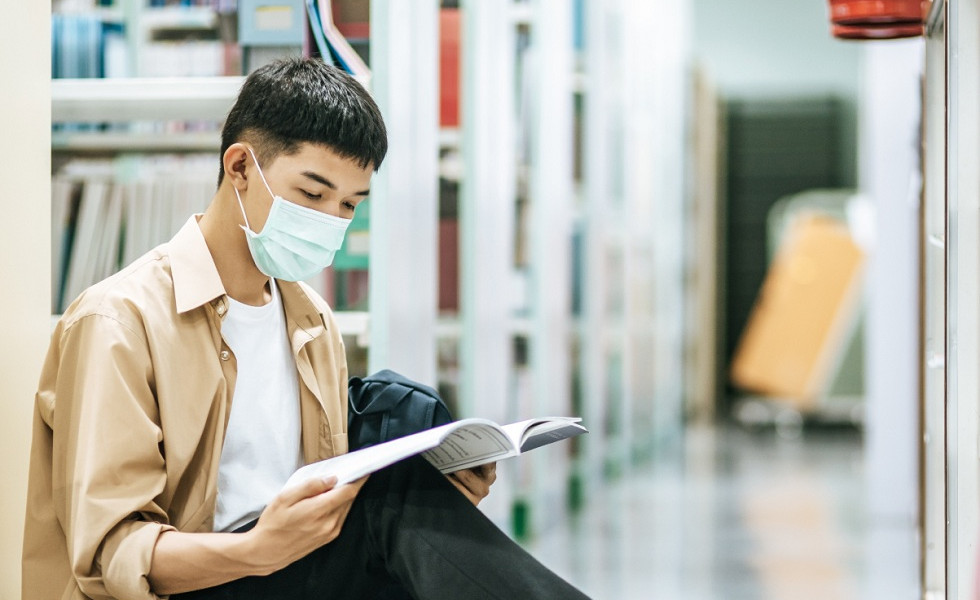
x: 311, y: 196
x: 350, y: 206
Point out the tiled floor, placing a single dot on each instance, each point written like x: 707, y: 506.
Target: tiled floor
x: 737, y: 516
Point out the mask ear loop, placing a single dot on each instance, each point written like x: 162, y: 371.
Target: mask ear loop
x: 262, y: 175
x: 242, y: 206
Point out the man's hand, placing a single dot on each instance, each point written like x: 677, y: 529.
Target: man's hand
x: 303, y: 518
x: 475, y: 483
x: 295, y: 523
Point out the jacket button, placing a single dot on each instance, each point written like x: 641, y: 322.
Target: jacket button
x: 225, y: 355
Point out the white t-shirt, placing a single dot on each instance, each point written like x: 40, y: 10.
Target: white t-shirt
x: 262, y: 443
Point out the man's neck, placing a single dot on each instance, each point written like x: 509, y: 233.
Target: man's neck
x: 221, y: 227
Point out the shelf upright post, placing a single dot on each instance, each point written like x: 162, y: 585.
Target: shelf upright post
x: 25, y: 198
x: 599, y: 225
x: 404, y: 193
x: 639, y: 180
x: 666, y: 26
x: 652, y: 84
x: 653, y: 187
x: 551, y: 203
x: 487, y: 200
x: 609, y: 221
x: 933, y: 292
x: 963, y: 313
x: 890, y: 114
x: 487, y: 195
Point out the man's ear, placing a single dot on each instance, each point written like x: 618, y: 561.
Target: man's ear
x: 234, y: 161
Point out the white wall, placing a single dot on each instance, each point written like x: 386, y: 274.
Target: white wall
x: 25, y: 247
x: 777, y: 48
x: 890, y: 109
x: 765, y: 47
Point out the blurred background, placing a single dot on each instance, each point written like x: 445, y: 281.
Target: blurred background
x: 739, y: 238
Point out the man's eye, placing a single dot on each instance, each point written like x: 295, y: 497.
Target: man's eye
x: 350, y: 206
x: 311, y: 196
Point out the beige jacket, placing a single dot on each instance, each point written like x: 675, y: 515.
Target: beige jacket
x: 130, y: 418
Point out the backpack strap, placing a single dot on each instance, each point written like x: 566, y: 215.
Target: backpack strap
x: 389, y: 397
x: 387, y: 376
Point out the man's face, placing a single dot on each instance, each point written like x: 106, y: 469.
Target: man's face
x: 315, y: 177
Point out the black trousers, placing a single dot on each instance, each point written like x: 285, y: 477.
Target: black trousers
x: 408, y: 528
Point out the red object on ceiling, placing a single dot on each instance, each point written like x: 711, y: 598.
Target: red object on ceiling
x: 868, y: 12
x: 880, y: 32
x: 877, y: 19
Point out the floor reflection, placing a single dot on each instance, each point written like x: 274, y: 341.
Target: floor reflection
x: 737, y: 516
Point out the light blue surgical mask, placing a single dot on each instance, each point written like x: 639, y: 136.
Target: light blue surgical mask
x: 296, y: 242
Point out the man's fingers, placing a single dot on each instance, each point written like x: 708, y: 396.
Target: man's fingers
x: 472, y: 483
x: 478, y: 479
x: 488, y: 473
x: 307, y: 489
x: 338, y: 497
x: 463, y: 488
x: 467, y: 478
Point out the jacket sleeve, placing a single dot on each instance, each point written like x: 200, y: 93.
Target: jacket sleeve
x: 108, y: 466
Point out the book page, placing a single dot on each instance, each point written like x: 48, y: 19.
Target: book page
x: 470, y: 446
x: 354, y: 465
x: 547, y: 433
x: 533, y: 433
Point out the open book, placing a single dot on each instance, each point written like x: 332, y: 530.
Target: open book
x: 452, y: 447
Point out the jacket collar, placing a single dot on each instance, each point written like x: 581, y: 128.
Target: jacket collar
x: 196, y: 283
x: 196, y: 279
x: 300, y: 308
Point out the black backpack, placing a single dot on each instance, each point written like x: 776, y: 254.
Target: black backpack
x: 386, y: 405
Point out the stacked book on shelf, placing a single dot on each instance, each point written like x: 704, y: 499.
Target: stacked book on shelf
x: 184, y: 41
x: 106, y: 213
x: 103, y: 41
x: 85, y: 45
x: 171, y: 41
x: 331, y: 45
x: 216, y: 4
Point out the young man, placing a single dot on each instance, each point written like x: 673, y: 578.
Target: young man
x: 178, y: 395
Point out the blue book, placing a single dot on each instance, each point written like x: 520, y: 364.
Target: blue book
x: 327, y: 52
x: 316, y: 26
x: 55, y: 43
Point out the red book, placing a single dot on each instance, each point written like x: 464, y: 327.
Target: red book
x: 449, y: 35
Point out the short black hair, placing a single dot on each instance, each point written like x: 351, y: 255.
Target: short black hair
x: 294, y: 100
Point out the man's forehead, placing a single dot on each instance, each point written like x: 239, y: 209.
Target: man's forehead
x: 326, y: 167
x: 317, y: 155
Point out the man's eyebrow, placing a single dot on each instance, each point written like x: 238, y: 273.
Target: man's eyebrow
x: 323, y: 180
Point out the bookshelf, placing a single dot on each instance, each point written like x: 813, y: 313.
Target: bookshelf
x: 111, y: 142
x: 143, y: 98
x: 523, y: 349
x: 564, y: 319
x: 962, y: 277
x: 153, y: 99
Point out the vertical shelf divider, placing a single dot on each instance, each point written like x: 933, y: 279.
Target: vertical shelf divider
x: 487, y: 226
x: 404, y: 194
